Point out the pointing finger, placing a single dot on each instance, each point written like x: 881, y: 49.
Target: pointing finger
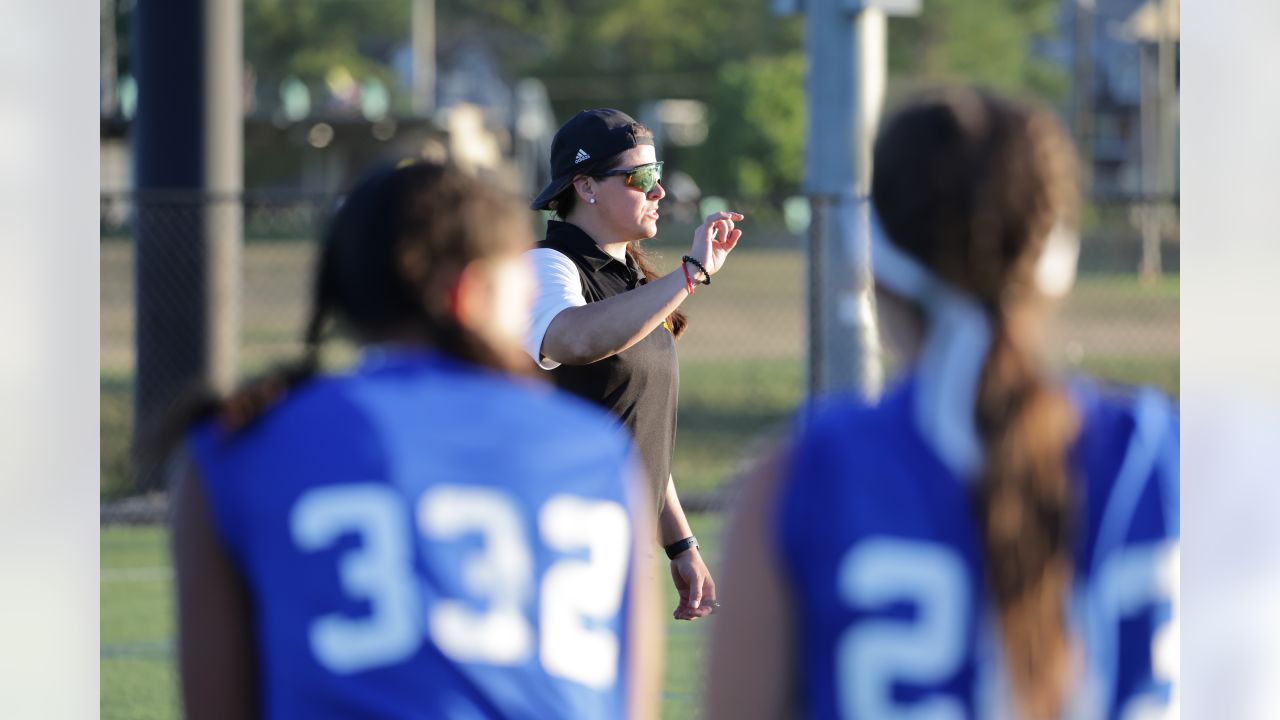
x: 725, y: 215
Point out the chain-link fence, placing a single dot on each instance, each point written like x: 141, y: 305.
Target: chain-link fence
x: 742, y: 361
x: 156, y: 255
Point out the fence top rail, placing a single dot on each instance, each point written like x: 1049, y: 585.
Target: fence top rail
x: 179, y: 196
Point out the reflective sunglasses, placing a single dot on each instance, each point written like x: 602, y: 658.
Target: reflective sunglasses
x: 640, y: 177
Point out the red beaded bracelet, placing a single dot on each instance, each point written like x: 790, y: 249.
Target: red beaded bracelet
x: 688, y: 279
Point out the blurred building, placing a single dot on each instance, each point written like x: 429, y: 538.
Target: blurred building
x: 314, y: 138
x: 1123, y: 58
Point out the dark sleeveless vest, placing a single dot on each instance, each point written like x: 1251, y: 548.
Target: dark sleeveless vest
x: 640, y: 386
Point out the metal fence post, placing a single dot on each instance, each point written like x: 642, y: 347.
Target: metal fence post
x: 845, y: 87
x: 224, y: 179
x: 187, y: 142
x: 422, y: 25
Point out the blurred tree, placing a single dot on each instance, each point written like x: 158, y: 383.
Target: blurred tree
x: 745, y: 62
x: 592, y: 52
x: 756, y: 140
x: 978, y: 41
x: 328, y: 42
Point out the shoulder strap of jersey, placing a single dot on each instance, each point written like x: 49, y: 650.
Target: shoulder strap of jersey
x: 1144, y: 460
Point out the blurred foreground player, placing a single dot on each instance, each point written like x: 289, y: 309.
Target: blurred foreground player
x: 985, y: 541
x: 396, y: 541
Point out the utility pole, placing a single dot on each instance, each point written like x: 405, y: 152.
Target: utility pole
x: 1168, y: 112
x: 1083, y: 115
x: 1158, y: 108
x: 109, y: 95
x: 224, y: 181
x: 847, y: 43
x: 423, y: 30
x: 188, y: 166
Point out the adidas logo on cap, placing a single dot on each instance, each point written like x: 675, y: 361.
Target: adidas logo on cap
x: 582, y: 155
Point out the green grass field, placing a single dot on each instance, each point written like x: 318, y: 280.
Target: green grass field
x: 138, y: 681
x: 138, y: 676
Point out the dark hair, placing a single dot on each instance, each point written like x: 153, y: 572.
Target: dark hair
x: 564, y: 203
x: 971, y: 185
x: 392, y: 253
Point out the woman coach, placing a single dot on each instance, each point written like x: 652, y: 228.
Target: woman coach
x: 604, y: 323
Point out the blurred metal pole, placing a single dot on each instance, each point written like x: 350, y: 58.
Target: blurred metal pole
x: 1167, y: 62
x: 1166, y: 108
x: 534, y: 125
x: 847, y: 71
x: 108, y: 93
x: 423, y: 24
x: 1158, y: 109
x: 169, y: 253
x: 1148, y: 213
x: 224, y: 180
x: 187, y: 141
x: 817, y: 367
x: 1083, y: 115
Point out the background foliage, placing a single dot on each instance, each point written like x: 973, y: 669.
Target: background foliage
x: 747, y: 64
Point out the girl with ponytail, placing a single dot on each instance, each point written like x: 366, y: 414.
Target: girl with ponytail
x: 390, y: 541
x: 986, y: 540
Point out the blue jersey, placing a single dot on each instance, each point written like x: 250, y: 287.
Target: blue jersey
x: 425, y: 539
x: 884, y: 557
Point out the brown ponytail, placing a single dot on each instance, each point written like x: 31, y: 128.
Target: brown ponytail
x: 1024, y: 508
x: 972, y: 185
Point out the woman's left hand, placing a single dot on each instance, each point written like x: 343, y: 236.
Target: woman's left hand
x: 693, y: 582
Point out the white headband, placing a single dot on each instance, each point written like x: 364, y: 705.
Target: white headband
x: 957, y: 337
x: 1055, y: 271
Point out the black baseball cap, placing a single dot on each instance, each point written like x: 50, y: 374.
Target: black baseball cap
x: 580, y: 145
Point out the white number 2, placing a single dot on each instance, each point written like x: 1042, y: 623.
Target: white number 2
x: 577, y: 592
x: 929, y: 648
x: 590, y: 589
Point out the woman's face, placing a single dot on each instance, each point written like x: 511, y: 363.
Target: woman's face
x: 626, y: 211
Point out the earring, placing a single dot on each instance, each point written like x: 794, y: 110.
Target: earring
x: 591, y: 200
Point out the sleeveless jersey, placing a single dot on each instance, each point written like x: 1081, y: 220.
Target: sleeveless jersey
x: 884, y: 561
x: 427, y: 539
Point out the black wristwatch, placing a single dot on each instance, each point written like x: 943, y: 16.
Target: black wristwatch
x: 680, y: 546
